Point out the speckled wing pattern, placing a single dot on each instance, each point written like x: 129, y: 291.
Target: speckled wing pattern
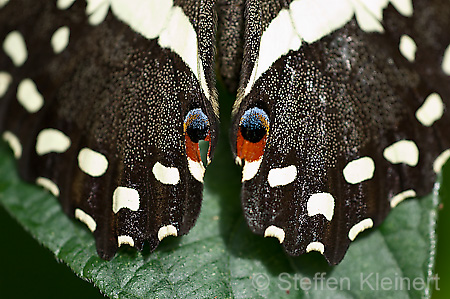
x: 346, y: 105
x: 104, y: 102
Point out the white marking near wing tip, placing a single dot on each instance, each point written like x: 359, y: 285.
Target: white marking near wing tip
x: 52, y: 140
x: 401, y: 197
x: 408, y: 47
x: 29, y: 96
x: 403, y: 151
x: 238, y: 161
x: 64, y: 4
x: 321, y: 203
x: 165, y: 231
x: 315, y: 246
x: 282, y: 176
x: 250, y: 169
x: 431, y: 110
x: 196, y: 169
x: 440, y: 161
x: 359, y: 170
x: 359, y: 227
x: 124, y: 197
x: 446, y: 61
x: 5, y: 80
x: 49, y: 185
x: 276, y: 232
x: 97, y: 10
x: 124, y: 239
x: 60, y: 39
x: 91, y: 162
x: 15, y: 47
x: 14, y: 143
x: 86, y: 219
x: 166, y: 175
x: 405, y: 7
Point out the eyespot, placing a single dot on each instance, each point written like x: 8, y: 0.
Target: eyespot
x: 254, y: 124
x: 252, y: 134
x: 196, y: 125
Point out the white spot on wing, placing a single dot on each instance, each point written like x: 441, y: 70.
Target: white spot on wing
x: 408, y: 47
x: 250, y: 169
x: 91, y: 162
x: 124, y: 197
x: 15, y: 47
x: 86, y: 219
x: 48, y: 184
x: 5, y: 80
x: 431, y: 110
x: 166, y: 175
x: 64, y: 4
x: 60, y: 39
x: 29, y: 96
x: 359, y: 227
x: 440, y: 161
x: 165, y: 231
x: 321, y: 203
x: 196, y: 169
x: 52, y: 140
x: 276, y: 232
x: 401, y: 197
x: 124, y: 239
x: 403, y: 151
x: 282, y: 176
x: 405, y: 7
x: 446, y: 61
x: 359, y: 170
x: 315, y: 246
x: 14, y: 143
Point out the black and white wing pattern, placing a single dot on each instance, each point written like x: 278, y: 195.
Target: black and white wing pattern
x: 104, y: 103
x: 342, y: 112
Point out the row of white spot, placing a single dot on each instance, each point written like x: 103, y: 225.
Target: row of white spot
x: 94, y: 164
x: 360, y: 170
x: 15, y: 47
x: 164, y: 231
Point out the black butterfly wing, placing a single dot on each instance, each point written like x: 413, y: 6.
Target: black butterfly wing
x: 110, y: 123
x: 335, y: 124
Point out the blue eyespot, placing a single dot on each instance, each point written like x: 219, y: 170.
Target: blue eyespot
x: 196, y: 125
x: 254, y: 124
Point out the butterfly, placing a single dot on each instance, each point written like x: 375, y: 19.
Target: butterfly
x: 340, y: 111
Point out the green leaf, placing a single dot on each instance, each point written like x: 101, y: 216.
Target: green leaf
x: 221, y: 258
